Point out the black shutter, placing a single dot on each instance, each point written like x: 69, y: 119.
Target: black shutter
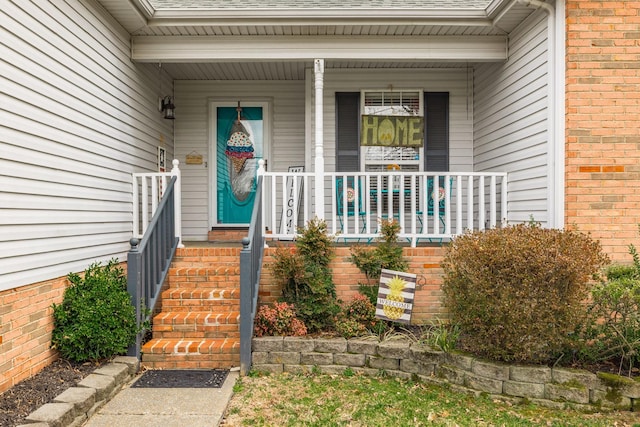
x: 347, y: 131
x: 436, y: 150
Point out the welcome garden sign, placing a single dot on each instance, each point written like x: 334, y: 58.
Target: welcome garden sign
x: 392, y: 131
x: 395, y: 296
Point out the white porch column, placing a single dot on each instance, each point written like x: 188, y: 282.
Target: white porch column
x: 319, y: 151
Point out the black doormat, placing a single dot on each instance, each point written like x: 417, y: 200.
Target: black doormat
x: 185, y: 378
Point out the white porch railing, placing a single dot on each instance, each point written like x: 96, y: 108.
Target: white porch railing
x: 429, y: 206
x: 148, y: 189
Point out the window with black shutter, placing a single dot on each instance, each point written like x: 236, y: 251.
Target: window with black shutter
x: 351, y: 157
x: 347, y: 131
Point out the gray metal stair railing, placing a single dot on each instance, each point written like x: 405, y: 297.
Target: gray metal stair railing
x: 251, y: 257
x: 149, y: 259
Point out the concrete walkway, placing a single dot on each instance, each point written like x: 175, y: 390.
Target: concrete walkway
x: 165, y: 407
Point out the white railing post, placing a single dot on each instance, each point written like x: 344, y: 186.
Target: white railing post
x: 136, y: 207
x: 503, y: 201
x: 492, y: 202
x: 177, y: 200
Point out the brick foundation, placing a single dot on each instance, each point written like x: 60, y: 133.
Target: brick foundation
x: 26, y: 323
x: 423, y: 261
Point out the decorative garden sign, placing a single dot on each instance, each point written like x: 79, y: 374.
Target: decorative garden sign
x: 395, y: 296
x: 392, y: 131
x: 289, y: 219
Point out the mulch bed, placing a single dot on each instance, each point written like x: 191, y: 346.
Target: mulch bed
x: 27, y: 396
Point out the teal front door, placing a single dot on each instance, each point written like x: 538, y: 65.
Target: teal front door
x: 239, y: 146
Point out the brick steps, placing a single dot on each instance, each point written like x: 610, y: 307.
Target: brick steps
x: 198, y: 299
x: 198, y: 323
x: 191, y: 353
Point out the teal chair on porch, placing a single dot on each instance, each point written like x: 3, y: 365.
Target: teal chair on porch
x: 431, y: 208
x: 352, y: 207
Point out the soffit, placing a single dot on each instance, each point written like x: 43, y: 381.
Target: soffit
x: 312, y: 17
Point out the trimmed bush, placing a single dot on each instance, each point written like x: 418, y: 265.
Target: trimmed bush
x: 387, y: 254
x: 306, y: 278
x: 357, y: 317
x: 96, y: 319
x: 278, y: 320
x: 517, y: 292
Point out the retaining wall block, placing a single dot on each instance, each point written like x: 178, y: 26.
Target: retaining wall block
x: 451, y: 373
x: 417, y: 367
x: 332, y: 369
x: 115, y: 370
x: 54, y: 414
x: 491, y: 370
x: 316, y: 358
x: 530, y: 374
x: 82, y: 398
x: 300, y: 344
x: 268, y: 344
x: 334, y: 345
x: 566, y: 393
x: 103, y: 385
x: 394, y: 349
x: 268, y: 367
x: 458, y: 360
x: 575, y: 376
x: 131, y: 361
x: 523, y: 389
x: 617, y: 384
x: 284, y: 357
x: 298, y: 369
x: 610, y: 400
x: 362, y: 346
x: 426, y: 354
x: 259, y: 357
x: 377, y: 362
x: 349, y: 359
x: 482, y: 383
x: 365, y: 371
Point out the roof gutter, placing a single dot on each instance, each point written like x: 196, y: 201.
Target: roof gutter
x: 299, y: 17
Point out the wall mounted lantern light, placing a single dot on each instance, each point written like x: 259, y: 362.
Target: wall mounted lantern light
x: 166, y: 105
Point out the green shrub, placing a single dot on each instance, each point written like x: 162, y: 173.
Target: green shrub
x: 517, y: 292
x: 619, y: 271
x: 387, y: 254
x: 278, y: 320
x: 441, y: 335
x: 612, y: 329
x: 357, y: 318
x: 96, y: 319
x: 306, y: 278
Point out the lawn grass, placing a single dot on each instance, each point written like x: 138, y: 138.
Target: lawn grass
x: 357, y: 400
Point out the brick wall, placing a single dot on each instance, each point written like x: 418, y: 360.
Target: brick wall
x: 26, y: 323
x: 424, y: 261
x: 603, y: 122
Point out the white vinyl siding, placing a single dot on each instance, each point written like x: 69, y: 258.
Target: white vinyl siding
x: 77, y: 117
x: 286, y: 100
x: 510, y: 127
